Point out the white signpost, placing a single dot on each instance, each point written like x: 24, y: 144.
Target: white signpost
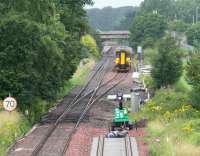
x: 139, y: 49
x: 9, y: 104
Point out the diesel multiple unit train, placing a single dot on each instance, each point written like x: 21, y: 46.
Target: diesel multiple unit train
x: 123, y: 56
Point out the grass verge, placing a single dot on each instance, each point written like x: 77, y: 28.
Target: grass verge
x: 12, y: 125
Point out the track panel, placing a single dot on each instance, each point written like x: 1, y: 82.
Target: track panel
x: 51, y: 139
x: 114, y: 147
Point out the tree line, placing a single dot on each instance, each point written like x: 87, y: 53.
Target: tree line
x: 185, y: 10
x: 110, y: 18
x: 39, y: 46
x: 154, y: 26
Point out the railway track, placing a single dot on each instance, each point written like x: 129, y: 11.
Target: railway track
x: 75, y: 112
x: 59, y: 129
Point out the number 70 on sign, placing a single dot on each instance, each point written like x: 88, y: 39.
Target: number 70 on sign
x: 10, y: 104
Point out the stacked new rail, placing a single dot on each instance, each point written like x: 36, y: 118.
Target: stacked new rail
x: 114, y: 146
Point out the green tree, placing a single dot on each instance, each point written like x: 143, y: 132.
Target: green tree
x: 186, y: 9
x: 193, y: 73
x: 178, y: 26
x: 183, y: 10
x: 29, y: 56
x: 163, y: 7
x: 167, y: 65
x: 193, y: 35
x: 127, y: 21
x: 39, y: 50
x: 146, y: 29
x: 110, y: 18
x: 89, y: 42
x: 73, y: 16
x: 97, y: 38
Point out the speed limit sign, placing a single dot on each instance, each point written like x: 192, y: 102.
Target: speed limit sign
x: 9, y: 104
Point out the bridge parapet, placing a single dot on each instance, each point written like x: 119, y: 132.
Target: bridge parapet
x: 114, y: 34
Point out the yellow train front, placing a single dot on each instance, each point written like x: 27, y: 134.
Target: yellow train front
x: 123, y: 59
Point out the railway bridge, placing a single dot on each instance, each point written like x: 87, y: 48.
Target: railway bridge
x: 109, y: 35
x: 112, y: 38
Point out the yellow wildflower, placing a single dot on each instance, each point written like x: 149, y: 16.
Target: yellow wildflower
x: 188, y: 128
x: 167, y: 115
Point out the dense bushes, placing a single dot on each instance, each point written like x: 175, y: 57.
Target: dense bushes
x: 167, y: 65
x: 193, y: 73
x: 165, y: 100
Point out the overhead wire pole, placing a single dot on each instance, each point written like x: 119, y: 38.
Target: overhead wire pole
x: 197, y: 14
x: 193, y: 20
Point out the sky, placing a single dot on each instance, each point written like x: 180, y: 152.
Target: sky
x: 114, y: 3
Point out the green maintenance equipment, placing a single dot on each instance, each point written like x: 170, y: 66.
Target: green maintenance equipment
x: 121, y: 118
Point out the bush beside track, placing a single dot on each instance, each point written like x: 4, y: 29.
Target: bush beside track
x: 174, y: 125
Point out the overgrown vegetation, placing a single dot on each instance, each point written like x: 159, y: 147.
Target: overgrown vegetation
x: 12, y: 125
x: 193, y: 73
x: 173, y: 112
x: 173, y: 116
x: 173, y: 121
x: 173, y: 124
x: 167, y: 65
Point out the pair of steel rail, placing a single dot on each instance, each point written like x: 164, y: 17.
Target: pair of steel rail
x: 100, y: 70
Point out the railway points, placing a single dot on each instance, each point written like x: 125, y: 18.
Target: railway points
x: 56, y: 129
